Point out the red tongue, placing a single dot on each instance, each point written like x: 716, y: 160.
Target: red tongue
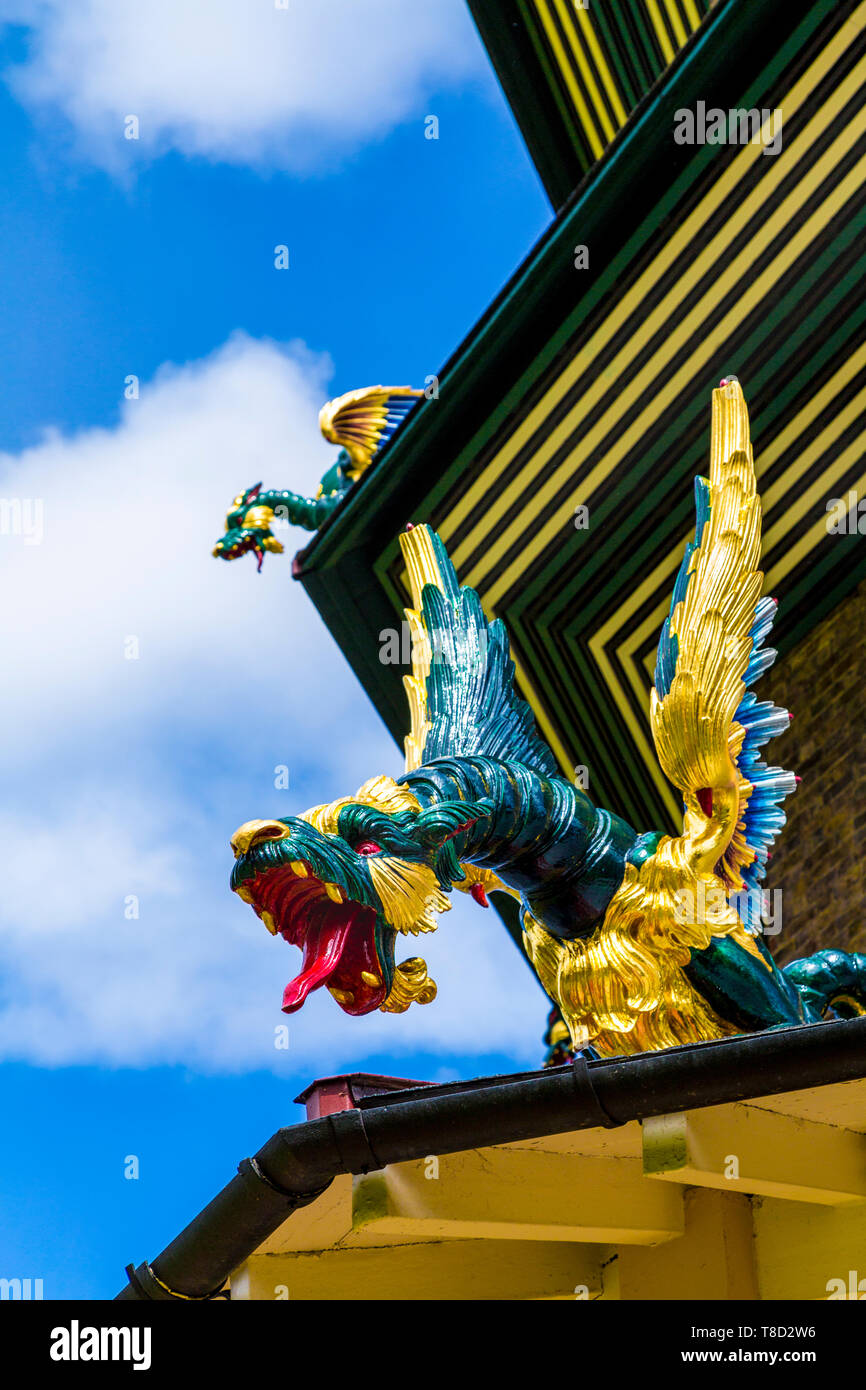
x: 322, y: 951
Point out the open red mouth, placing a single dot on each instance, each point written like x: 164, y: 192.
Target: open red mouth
x: 338, y: 938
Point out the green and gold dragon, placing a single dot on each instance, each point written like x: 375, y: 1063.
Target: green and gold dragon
x: 643, y: 941
x: 361, y: 423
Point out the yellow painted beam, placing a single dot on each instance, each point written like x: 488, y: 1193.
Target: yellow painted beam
x: 462, y: 1269
x: 737, y: 1148
x: 517, y: 1194
x: 806, y: 1252
x: 318, y: 1226
x: 624, y: 1141
x: 843, y: 1104
x: 713, y: 1260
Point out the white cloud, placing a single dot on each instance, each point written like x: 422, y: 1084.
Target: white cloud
x: 124, y: 778
x: 241, y: 80
x: 129, y: 519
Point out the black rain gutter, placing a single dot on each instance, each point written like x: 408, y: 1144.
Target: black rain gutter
x: 300, y: 1162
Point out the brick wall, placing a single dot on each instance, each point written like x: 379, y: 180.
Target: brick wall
x: 818, y: 859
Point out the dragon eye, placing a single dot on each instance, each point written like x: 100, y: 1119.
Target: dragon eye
x: 368, y: 847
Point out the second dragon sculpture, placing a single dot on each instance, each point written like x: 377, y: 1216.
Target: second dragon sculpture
x: 361, y: 422
x: 644, y: 941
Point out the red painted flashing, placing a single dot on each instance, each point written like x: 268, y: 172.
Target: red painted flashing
x: 332, y: 1093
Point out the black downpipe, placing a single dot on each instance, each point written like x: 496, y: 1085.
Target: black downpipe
x: 299, y: 1163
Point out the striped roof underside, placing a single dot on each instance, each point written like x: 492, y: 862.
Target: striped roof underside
x: 760, y: 270
x: 595, y: 61
x: 604, y: 57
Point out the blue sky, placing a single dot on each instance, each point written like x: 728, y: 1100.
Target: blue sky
x: 154, y: 1036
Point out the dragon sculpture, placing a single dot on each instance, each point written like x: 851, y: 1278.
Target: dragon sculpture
x: 643, y: 941
x: 361, y: 422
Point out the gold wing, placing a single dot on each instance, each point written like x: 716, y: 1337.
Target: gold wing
x: 706, y: 724
x: 362, y: 421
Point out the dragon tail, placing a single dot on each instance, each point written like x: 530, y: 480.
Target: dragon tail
x: 295, y: 510
x: 831, y: 979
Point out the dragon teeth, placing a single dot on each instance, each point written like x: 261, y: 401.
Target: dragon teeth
x: 269, y: 923
x: 245, y: 895
x: 342, y: 996
x: 299, y: 868
x: 333, y: 892
x: 370, y: 979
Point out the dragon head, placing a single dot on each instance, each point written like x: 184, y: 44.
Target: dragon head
x: 248, y: 527
x: 343, y: 880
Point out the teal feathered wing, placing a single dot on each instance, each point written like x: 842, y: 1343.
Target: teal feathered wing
x: 461, y: 691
